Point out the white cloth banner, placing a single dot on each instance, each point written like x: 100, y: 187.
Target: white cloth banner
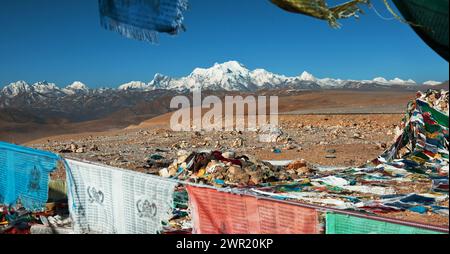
x: 108, y: 200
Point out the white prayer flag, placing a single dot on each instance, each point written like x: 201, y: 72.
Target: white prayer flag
x: 108, y: 200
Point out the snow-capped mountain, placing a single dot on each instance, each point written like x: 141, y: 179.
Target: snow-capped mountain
x: 134, y: 85
x: 16, y: 89
x: 232, y: 76
x: 40, y: 89
x: 432, y: 83
x: 307, y: 77
x: 396, y: 81
x: 76, y: 88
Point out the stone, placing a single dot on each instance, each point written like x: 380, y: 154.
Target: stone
x: 235, y: 170
x: 93, y: 148
x: 81, y: 150
x: 303, y: 171
x: 331, y: 151
x: 383, y: 145
x: 73, y: 147
x: 290, y: 147
x: 296, y: 164
x: 270, y: 134
x: 239, y: 142
x: 184, y: 144
x: 357, y: 135
x: 229, y: 155
x: 256, y: 177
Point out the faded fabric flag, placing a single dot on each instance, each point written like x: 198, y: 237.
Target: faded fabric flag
x: 143, y: 19
x: 342, y: 224
x: 24, y: 176
x: 215, y: 212
x: 320, y: 9
x: 107, y: 200
x: 423, y: 145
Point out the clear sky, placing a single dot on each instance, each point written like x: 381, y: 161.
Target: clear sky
x: 61, y: 41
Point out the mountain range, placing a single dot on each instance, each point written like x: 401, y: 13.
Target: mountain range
x: 228, y: 76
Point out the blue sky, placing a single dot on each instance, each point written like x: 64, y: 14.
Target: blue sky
x: 61, y: 41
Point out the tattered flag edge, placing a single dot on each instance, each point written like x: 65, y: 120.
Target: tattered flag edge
x: 142, y: 34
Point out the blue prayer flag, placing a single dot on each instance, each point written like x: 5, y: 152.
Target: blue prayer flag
x: 143, y: 19
x: 24, y: 175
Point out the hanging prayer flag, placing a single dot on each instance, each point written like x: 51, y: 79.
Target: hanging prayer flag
x: 143, y: 19
x: 107, y: 200
x: 24, y: 176
x: 217, y: 212
x: 423, y: 145
x: 320, y: 9
x: 346, y: 224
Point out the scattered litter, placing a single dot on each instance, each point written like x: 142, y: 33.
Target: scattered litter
x: 269, y: 134
x: 332, y: 180
x: 276, y: 150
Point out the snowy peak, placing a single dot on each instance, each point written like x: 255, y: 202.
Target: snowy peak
x: 76, y: 88
x: 21, y: 87
x: 432, y: 83
x: 15, y: 89
x: 45, y: 87
x: 77, y: 85
x: 380, y: 80
x: 396, y: 81
x: 263, y: 78
x: 134, y: 85
x: 219, y: 71
x: 307, y: 77
x: 228, y: 67
x: 42, y: 88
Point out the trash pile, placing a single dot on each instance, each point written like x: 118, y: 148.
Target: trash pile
x: 14, y: 221
x: 226, y: 169
x: 55, y: 219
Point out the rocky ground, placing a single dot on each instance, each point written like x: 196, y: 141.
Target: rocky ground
x: 328, y: 140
